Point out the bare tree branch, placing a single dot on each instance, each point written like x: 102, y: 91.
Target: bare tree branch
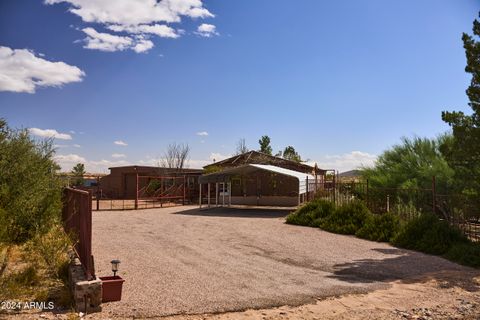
x: 176, y: 156
x: 241, y: 147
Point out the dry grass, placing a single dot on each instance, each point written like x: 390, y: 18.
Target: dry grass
x: 36, y: 270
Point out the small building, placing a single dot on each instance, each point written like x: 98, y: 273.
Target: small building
x: 121, y: 183
x: 257, y: 179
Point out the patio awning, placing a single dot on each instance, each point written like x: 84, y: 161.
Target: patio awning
x: 225, y: 175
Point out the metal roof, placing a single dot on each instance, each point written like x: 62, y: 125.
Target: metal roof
x: 224, y: 175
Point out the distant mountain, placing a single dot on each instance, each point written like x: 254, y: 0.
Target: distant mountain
x: 350, y: 174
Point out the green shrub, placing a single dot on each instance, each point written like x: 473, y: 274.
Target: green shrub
x: 465, y: 253
x: 30, y: 194
x: 379, y: 227
x: 346, y: 219
x: 307, y: 214
x: 428, y: 234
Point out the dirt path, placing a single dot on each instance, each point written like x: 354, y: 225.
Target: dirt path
x: 453, y: 295
x: 186, y: 261
x: 185, y: 264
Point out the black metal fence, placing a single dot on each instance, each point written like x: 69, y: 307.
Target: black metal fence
x: 407, y: 203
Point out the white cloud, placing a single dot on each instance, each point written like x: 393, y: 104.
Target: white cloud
x: 128, y: 12
x: 139, y: 17
x: 118, y: 155
x: 143, y: 45
x: 215, y: 156
x: 202, y: 133
x: 207, y: 30
x: 77, y: 146
x: 346, y: 161
x: 103, y: 165
x: 67, y: 161
x: 105, y: 41
x: 108, y: 42
x: 49, y: 133
x: 160, y: 30
x: 120, y: 143
x: 22, y: 71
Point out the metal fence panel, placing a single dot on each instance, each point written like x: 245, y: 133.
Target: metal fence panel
x: 77, y: 221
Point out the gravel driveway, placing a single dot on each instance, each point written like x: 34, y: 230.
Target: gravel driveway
x: 182, y: 260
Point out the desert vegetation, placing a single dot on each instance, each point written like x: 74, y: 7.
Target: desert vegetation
x: 425, y: 233
x: 33, y: 246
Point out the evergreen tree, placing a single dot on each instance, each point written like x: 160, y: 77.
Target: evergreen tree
x: 463, y: 154
x: 265, y: 145
x: 290, y: 154
x: 78, y: 172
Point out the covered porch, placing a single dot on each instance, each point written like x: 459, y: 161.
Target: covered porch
x: 254, y: 185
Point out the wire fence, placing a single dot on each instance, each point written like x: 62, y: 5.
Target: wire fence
x: 407, y: 203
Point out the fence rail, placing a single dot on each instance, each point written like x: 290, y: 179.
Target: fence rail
x: 407, y: 203
x: 77, y: 220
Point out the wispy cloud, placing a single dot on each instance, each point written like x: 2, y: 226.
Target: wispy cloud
x: 202, y: 133
x: 118, y: 155
x: 69, y: 160
x: 347, y: 161
x: 77, y: 146
x: 120, y: 143
x: 22, y: 71
x: 49, y: 133
x: 207, y: 30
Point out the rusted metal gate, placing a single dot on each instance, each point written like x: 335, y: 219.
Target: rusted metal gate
x: 77, y: 220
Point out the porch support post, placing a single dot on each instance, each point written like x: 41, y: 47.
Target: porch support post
x: 229, y: 188
x: 208, y: 197
x: 216, y: 194
x: 223, y: 194
x: 200, y: 196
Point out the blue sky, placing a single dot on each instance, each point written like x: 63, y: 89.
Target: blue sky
x: 340, y: 81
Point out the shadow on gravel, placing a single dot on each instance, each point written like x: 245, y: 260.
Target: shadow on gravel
x: 236, y: 212
x: 408, y: 267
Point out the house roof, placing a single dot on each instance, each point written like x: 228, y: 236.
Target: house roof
x: 253, y: 156
x: 225, y: 175
x: 153, y: 168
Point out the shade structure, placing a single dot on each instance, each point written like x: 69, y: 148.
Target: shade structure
x: 226, y: 175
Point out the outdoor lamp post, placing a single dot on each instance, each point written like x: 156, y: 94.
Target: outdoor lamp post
x: 115, y: 264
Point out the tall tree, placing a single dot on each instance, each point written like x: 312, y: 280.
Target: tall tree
x: 78, y: 171
x: 176, y: 156
x: 265, y: 145
x: 290, y: 154
x: 412, y: 164
x: 241, y: 147
x: 463, y: 154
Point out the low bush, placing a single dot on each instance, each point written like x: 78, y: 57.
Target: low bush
x: 428, y: 234
x: 310, y: 212
x: 465, y: 253
x: 346, y: 219
x: 49, y: 251
x: 380, y: 228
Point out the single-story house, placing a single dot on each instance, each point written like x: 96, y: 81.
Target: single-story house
x: 258, y: 179
x: 121, y: 183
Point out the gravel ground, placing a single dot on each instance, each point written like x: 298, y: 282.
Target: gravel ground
x: 182, y: 260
